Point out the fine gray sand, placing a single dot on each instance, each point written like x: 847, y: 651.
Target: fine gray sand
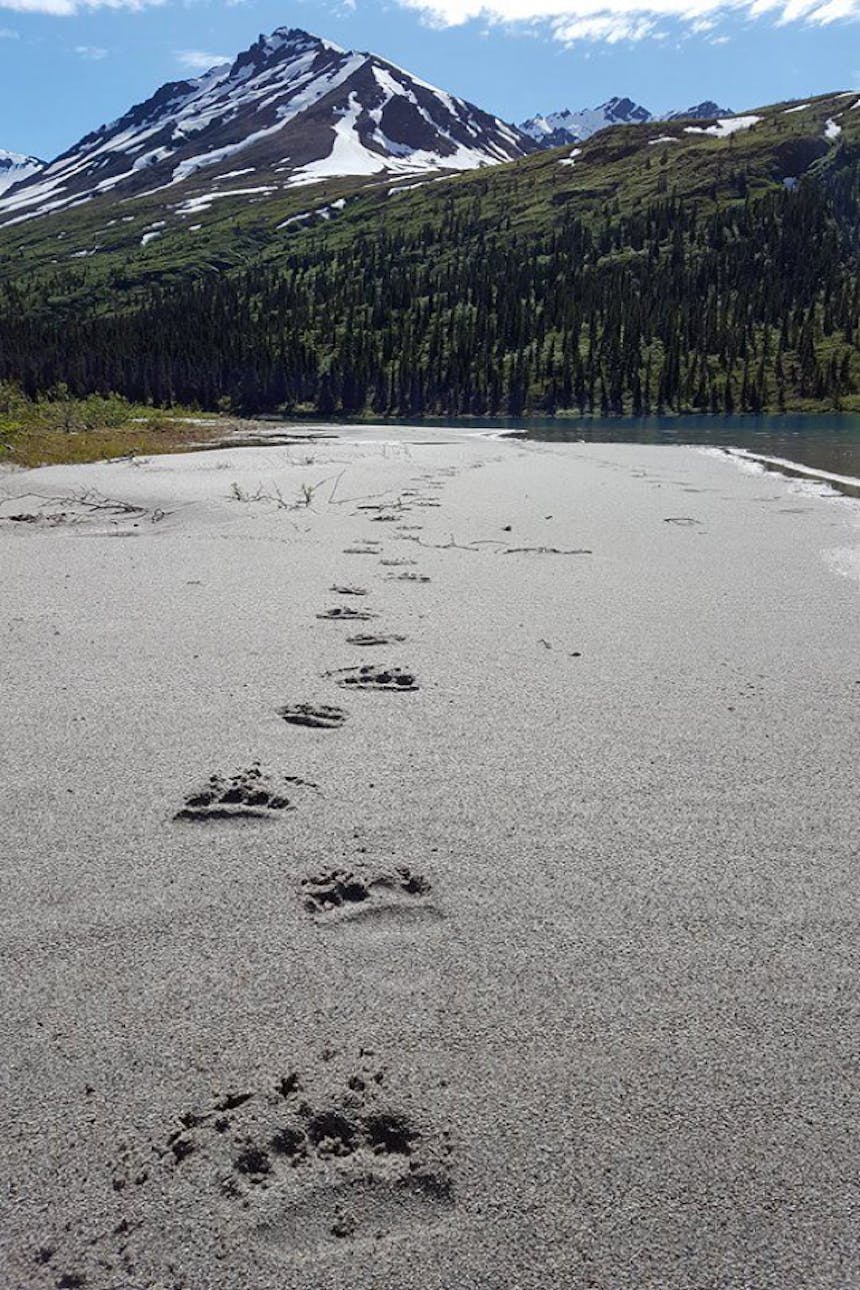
x: 502, y: 936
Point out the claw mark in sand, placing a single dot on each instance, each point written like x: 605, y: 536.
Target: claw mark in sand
x: 407, y: 577
x: 247, y: 794
x: 374, y: 640
x: 371, y: 677
x: 320, y: 717
x: 347, y: 589
x: 352, y: 615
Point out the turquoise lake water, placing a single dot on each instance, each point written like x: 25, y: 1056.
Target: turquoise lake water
x: 829, y: 443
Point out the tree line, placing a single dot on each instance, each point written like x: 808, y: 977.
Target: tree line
x: 666, y: 308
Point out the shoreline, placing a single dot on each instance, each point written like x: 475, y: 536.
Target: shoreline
x: 814, y: 444
x: 847, y: 485
x: 547, y: 948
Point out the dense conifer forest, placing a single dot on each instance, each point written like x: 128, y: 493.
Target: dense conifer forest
x: 676, y: 305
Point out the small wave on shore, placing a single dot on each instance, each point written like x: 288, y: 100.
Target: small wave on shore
x: 821, y: 483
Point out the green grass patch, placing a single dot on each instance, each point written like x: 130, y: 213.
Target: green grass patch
x: 59, y: 429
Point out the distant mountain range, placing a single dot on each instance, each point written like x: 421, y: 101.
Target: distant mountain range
x: 560, y: 128
x: 295, y: 131
x: 297, y: 109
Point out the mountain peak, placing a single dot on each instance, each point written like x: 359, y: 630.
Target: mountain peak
x: 708, y: 110
x: 624, y: 110
x: 283, y: 43
x: 15, y: 168
x: 559, y: 128
x: 292, y: 107
x: 298, y: 36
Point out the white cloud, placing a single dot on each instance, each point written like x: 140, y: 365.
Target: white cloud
x: 610, y: 21
x: 92, y: 52
x: 66, y: 8
x: 607, y: 26
x: 60, y: 8
x: 197, y: 60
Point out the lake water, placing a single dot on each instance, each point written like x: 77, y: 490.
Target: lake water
x: 830, y: 443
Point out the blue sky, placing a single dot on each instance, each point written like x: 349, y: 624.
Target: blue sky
x: 66, y: 66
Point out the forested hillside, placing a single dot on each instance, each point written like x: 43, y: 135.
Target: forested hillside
x: 743, y: 295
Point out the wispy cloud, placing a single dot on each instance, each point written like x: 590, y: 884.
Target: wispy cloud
x: 574, y: 21
x: 197, y: 60
x: 607, y: 26
x: 93, y: 52
x: 7, y: 33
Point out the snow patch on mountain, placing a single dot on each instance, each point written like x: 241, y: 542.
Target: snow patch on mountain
x: 322, y: 212
x: 309, y: 89
x: 348, y: 155
x: 197, y: 205
x: 722, y: 129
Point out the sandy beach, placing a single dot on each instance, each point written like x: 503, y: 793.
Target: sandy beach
x: 429, y: 862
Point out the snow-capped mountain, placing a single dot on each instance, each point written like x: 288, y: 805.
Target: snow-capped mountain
x: 571, y: 127
x: 560, y: 128
x: 707, y: 111
x: 293, y: 106
x: 14, y: 168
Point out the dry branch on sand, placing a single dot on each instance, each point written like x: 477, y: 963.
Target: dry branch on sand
x: 545, y: 550
x: 75, y: 507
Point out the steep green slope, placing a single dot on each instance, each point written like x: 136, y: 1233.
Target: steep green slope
x: 198, y: 225
x: 656, y: 267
